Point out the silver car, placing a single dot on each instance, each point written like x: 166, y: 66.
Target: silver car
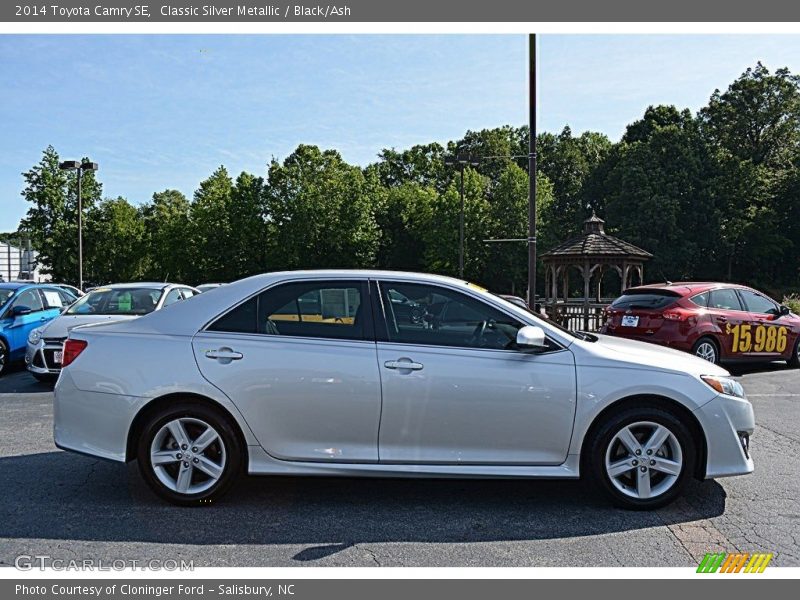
x: 370, y: 373
x: 115, y: 302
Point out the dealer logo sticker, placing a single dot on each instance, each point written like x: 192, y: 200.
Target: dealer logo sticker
x: 722, y: 562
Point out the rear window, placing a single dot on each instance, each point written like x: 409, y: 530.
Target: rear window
x: 650, y: 300
x: 724, y: 299
x: 124, y: 301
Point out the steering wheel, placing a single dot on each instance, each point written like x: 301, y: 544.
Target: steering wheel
x: 480, y: 330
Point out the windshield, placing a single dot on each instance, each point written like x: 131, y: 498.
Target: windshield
x: 650, y: 300
x: 125, y: 301
x: 5, y: 295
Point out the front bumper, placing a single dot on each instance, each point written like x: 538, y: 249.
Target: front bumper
x: 40, y: 357
x: 726, y: 421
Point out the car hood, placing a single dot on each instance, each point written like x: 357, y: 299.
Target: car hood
x: 61, y: 325
x: 644, y: 355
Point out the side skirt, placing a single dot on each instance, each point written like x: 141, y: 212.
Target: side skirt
x: 261, y: 463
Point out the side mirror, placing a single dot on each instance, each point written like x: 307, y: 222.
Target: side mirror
x: 19, y: 311
x: 531, y: 337
x: 784, y: 310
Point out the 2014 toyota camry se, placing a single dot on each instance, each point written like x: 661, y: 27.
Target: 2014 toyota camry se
x: 391, y: 374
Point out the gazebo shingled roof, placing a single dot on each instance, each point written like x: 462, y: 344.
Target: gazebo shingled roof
x: 595, y: 242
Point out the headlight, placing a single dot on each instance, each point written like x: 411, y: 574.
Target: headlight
x: 34, y: 336
x: 724, y: 385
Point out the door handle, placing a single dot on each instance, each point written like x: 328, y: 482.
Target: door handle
x: 224, y: 355
x: 722, y: 319
x: 403, y: 365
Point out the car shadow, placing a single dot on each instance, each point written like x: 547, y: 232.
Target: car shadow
x: 58, y: 495
x: 738, y: 369
x: 16, y: 379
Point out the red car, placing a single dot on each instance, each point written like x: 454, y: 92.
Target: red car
x: 719, y: 322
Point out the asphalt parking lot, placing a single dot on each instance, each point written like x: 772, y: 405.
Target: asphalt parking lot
x: 73, y: 507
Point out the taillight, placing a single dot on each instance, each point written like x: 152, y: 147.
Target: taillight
x: 72, y: 348
x: 675, y: 315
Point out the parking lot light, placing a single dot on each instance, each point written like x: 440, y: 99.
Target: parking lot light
x: 80, y: 168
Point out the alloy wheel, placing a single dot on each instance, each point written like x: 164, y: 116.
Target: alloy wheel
x: 644, y: 460
x: 707, y: 351
x: 188, y: 455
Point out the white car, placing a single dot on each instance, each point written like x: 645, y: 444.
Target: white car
x: 115, y: 302
x: 370, y: 373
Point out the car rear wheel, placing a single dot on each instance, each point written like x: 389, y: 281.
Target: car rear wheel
x: 794, y: 361
x: 642, y: 457
x: 189, y: 454
x: 707, y: 349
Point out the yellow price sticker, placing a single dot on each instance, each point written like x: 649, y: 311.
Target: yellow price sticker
x: 758, y: 338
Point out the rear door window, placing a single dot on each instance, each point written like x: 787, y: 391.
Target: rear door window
x: 644, y: 300
x: 724, y: 299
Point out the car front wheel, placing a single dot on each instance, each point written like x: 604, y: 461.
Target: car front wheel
x: 642, y: 457
x: 189, y: 454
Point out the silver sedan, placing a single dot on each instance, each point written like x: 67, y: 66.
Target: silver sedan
x: 370, y: 373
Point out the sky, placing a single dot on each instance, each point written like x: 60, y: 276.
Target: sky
x: 164, y: 111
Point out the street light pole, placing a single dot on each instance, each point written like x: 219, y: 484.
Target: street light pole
x: 462, y: 160
x: 80, y: 169
x: 80, y: 231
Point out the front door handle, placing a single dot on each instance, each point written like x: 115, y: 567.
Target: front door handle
x: 224, y: 355
x: 403, y: 364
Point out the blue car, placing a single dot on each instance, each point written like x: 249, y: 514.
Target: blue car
x: 23, y: 307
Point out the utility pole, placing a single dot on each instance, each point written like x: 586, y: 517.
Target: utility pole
x: 532, y: 173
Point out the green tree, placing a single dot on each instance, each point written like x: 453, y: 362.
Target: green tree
x: 51, y: 221
x: 114, y: 242
x: 167, y: 237
x: 568, y: 162
x: 321, y: 212
x: 211, y: 230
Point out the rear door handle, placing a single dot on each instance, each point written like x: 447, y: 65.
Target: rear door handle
x: 404, y: 364
x: 722, y: 319
x: 224, y: 355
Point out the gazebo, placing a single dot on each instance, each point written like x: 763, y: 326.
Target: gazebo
x: 593, y: 253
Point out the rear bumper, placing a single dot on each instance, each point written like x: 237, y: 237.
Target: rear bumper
x: 724, y: 420
x: 662, y: 337
x: 93, y: 423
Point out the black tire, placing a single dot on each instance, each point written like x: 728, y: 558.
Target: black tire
x: 597, y: 447
x: 794, y: 360
x: 4, y: 360
x: 230, y: 453
x: 699, y: 345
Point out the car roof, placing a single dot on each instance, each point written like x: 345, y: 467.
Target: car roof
x: 155, y: 285
x: 689, y: 288
x: 14, y: 285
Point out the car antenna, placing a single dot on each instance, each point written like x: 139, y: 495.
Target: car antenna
x: 666, y: 281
